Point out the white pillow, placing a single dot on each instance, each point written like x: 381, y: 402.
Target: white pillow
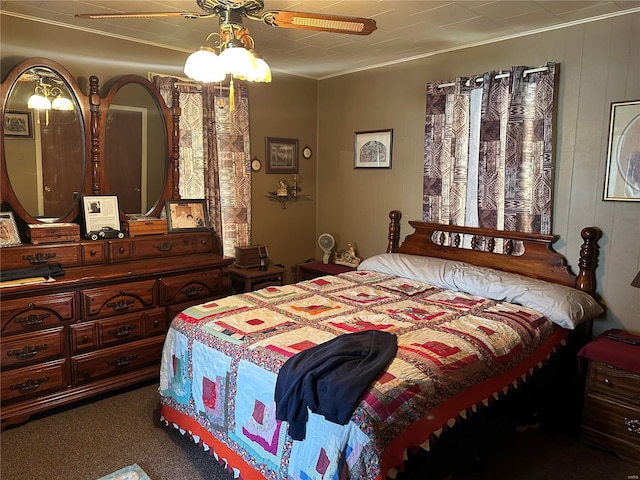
x: 434, y: 271
x: 564, y: 306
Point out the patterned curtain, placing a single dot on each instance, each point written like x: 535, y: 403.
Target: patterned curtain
x: 488, y: 150
x: 214, y: 155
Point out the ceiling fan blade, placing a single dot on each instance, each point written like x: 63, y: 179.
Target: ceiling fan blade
x: 319, y: 22
x: 98, y: 16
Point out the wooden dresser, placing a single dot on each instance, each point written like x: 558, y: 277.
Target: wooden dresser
x: 611, y: 418
x: 101, y: 325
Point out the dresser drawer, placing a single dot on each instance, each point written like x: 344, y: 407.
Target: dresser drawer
x: 117, y: 299
x: 120, y: 251
x: 83, y: 337
x: 28, y: 314
x: 203, y: 243
x: 93, y: 253
x: 32, y: 347
x: 194, y: 286
x: 34, y: 380
x: 115, y: 360
x: 618, y: 421
x: 613, y: 382
x: 163, y: 245
x: 156, y: 322
x: 32, y: 256
x: 120, y: 329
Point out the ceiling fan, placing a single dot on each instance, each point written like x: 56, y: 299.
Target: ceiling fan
x: 232, y: 11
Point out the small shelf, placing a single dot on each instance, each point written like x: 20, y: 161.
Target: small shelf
x: 284, y: 199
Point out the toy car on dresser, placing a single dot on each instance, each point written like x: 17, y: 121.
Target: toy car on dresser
x: 105, y: 232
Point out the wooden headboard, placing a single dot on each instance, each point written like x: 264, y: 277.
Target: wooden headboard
x: 528, y: 254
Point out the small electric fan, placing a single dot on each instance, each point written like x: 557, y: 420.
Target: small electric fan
x: 326, y: 243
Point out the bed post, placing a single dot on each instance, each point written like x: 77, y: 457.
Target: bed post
x: 586, y: 279
x: 394, y: 230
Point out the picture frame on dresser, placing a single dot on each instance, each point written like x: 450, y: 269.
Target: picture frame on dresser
x: 100, y: 212
x: 187, y: 215
x: 9, y: 235
x: 373, y: 149
x: 622, y: 176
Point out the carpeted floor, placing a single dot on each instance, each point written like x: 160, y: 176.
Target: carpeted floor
x: 100, y: 437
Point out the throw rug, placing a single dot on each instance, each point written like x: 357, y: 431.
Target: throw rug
x: 132, y: 472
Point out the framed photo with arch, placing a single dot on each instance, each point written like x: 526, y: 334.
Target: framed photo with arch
x: 373, y: 149
x: 622, y: 177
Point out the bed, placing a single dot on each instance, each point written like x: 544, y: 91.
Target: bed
x: 473, y: 311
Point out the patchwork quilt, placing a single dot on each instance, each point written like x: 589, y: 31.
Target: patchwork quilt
x: 221, y: 360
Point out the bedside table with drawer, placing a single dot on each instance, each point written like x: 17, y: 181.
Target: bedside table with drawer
x: 611, y: 416
x: 249, y: 279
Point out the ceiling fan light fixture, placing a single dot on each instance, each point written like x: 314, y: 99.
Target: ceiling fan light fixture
x: 237, y: 60
x: 39, y: 102
x: 204, y: 65
x: 62, y: 103
x: 262, y: 72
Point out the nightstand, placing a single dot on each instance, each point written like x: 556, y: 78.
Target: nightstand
x: 310, y: 270
x: 611, y: 416
x: 250, y: 279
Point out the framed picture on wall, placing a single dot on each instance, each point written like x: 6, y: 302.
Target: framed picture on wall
x: 187, y: 215
x: 18, y: 124
x: 281, y: 155
x: 622, y: 176
x: 373, y: 149
x: 8, y: 230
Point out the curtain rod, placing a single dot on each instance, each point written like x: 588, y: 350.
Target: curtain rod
x: 498, y: 76
x: 197, y: 85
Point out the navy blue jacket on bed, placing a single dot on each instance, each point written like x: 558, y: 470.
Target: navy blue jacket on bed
x: 330, y: 378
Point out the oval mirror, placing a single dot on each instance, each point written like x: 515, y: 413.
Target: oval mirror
x: 136, y: 145
x: 44, y: 141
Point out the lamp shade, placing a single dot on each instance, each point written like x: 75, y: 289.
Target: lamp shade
x: 636, y: 281
x: 238, y: 61
x: 204, y: 65
x: 262, y: 72
x: 39, y: 102
x: 62, y: 103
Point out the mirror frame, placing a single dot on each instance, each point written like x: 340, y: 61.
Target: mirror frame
x: 171, y: 121
x: 7, y: 194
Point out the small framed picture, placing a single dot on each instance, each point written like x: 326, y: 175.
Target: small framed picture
x: 187, y: 215
x: 281, y: 155
x: 373, y: 149
x: 9, y: 236
x: 622, y: 177
x: 18, y: 124
x: 101, y: 216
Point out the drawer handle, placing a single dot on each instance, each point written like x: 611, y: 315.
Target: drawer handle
x: 156, y: 323
x: 123, y: 361
x: 38, y: 258
x: 121, y: 250
x: 632, y: 424
x: 121, y: 304
x: 164, y: 247
x: 122, y: 330
x: 607, y: 382
x: 85, y: 339
x: 191, y: 291
x: 32, y: 319
x: 27, y: 351
x: 30, y: 384
x: 93, y: 253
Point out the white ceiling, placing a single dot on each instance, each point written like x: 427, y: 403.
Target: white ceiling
x: 406, y: 29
